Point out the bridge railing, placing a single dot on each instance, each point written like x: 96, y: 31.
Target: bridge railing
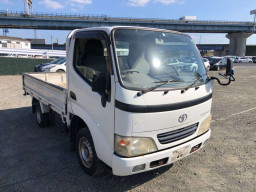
x: 109, y: 18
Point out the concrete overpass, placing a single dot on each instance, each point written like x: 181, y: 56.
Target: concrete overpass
x: 223, y: 49
x: 237, y: 32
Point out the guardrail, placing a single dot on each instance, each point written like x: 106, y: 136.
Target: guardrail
x: 34, y: 52
x: 7, y: 13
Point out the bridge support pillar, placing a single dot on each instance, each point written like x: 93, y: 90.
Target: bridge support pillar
x: 237, y: 45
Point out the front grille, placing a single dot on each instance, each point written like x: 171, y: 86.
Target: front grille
x: 178, y: 134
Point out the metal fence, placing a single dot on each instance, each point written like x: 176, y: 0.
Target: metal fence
x: 33, y: 52
x: 7, y: 13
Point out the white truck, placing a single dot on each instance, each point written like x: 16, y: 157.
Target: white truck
x: 127, y: 109
x: 188, y: 18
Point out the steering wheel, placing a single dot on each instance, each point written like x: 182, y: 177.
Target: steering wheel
x: 175, y: 71
x: 130, y: 71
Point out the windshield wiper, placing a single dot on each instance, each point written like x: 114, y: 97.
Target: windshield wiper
x: 155, y: 87
x: 192, y: 84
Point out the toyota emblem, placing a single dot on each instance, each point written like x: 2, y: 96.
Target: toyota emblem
x: 182, y: 118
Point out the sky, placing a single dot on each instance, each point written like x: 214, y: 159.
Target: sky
x: 227, y: 10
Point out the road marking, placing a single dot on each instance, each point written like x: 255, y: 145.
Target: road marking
x: 221, y: 119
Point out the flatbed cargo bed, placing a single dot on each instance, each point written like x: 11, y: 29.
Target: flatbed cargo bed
x: 49, y: 88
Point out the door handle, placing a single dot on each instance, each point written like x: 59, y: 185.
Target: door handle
x: 72, y: 95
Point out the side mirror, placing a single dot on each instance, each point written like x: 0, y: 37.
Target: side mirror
x: 99, y: 83
x: 229, y: 68
x: 229, y: 74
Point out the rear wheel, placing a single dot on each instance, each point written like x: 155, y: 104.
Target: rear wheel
x: 60, y: 71
x: 42, y: 119
x: 86, y: 153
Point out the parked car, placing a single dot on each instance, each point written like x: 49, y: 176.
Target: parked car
x: 206, y: 63
x: 217, y: 63
x: 232, y: 58
x: 6, y: 55
x: 243, y: 60
x: 254, y: 59
x: 38, y: 68
x: 188, y: 64
x: 59, y: 67
x: 39, y: 56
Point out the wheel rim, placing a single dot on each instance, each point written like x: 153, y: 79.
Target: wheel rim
x: 85, y: 152
x: 38, y: 116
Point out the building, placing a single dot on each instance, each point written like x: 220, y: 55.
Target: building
x: 14, y: 42
x: 37, y: 41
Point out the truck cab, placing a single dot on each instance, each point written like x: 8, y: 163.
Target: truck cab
x: 138, y: 111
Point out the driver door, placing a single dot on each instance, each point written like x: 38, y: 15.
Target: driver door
x: 91, y: 56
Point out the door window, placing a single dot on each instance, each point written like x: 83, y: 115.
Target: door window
x: 90, y: 58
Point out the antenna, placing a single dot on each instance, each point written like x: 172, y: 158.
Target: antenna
x: 28, y: 7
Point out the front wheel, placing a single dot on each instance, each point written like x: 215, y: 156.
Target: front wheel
x: 87, y: 156
x: 60, y: 71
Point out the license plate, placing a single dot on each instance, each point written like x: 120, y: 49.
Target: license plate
x: 179, y: 153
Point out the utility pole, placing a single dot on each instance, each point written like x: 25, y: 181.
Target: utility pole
x: 5, y: 31
x: 51, y: 42
x: 253, y: 12
x: 35, y: 34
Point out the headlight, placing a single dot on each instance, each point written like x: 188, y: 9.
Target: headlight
x: 205, y: 125
x: 133, y: 146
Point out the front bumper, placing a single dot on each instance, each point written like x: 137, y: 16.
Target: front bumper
x: 124, y: 166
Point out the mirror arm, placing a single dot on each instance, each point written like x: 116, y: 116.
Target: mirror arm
x: 230, y: 78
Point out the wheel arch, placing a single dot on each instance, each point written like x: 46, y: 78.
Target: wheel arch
x: 76, y: 124
x: 35, y: 102
x: 103, y: 150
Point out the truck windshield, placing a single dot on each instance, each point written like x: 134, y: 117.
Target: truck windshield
x: 148, y: 57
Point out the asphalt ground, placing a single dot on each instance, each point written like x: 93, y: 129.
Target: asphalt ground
x: 35, y: 159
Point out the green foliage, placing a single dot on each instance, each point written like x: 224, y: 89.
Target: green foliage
x: 17, y: 66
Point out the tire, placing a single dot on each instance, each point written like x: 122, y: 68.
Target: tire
x: 60, y: 71
x: 86, y: 153
x: 41, y: 119
x: 240, y: 61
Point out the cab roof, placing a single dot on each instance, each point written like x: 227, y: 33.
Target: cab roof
x: 108, y: 29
